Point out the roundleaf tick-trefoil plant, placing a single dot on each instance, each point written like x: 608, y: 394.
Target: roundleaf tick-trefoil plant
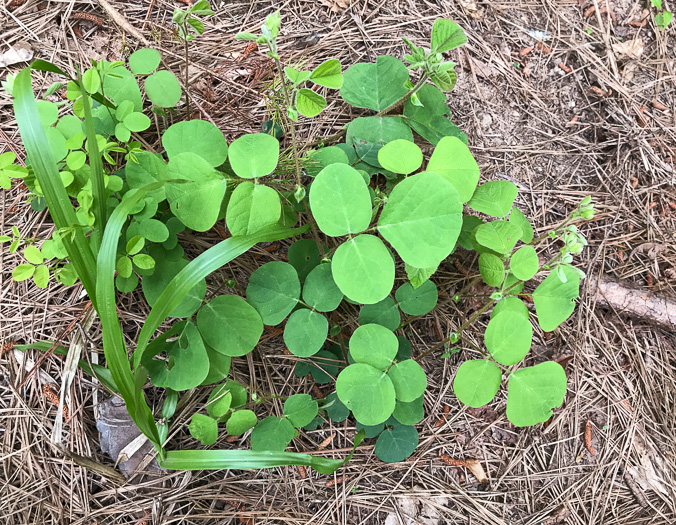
x: 357, y: 205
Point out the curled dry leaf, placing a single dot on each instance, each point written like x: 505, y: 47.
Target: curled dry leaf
x: 337, y: 6
x: 471, y: 9
x: 21, y: 52
x: 629, y: 48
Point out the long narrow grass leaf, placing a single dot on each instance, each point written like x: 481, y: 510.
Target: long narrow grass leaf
x: 207, y: 262
x: 41, y: 159
x: 114, y: 347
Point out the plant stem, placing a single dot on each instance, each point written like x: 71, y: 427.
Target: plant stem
x: 187, y: 71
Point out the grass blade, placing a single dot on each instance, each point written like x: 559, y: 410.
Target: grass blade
x: 41, y: 159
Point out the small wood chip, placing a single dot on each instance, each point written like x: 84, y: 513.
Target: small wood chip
x: 600, y: 92
x: 587, y: 438
x: 442, y: 419
x: 542, y: 47
x: 89, y: 17
x: 302, y: 471
x: 658, y: 105
x: 6, y: 347
x: 339, y: 479
x: 525, y: 51
x: 565, y: 68
x: 53, y: 397
x: 325, y: 443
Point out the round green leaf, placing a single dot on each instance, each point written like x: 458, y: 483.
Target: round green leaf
x: 49, y: 113
x: 165, y: 270
x: 136, y: 122
x: 512, y: 304
x: 197, y: 202
x: 254, y: 155
x: 187, y: 362
x: 554, y: 299
x: 238, y: 392
x: 409, y: 380
x: 397, y: 443
x: 273, y: 290
x: 148, y: 169
x: 384, y: 313
x: 517, y: 218
x: 91, y: 81
x: 320, y: 291
x: 301, y: 409
x: 204, y: 429
x: 153, y: 230
x: 219, y: 402
x: 368, y: 392
x: 499, y: 236
x: 363, y: 269
x: 494, y: 198
x: 373, y: 345
x: 508, y: 337
x: 492, y: 269
x: 144, y: 61
x: 309, y: 103
x: 328, y: 74
x: 144, y: 262
x: 124, y: 285
x: 196, y: 136
x: 163, y: 89
x: 304, y: 255
x: 532, y: 392
x: 476, y: 382
x: 422, y: 219
x: 429, y: 119
x: 33, y: 255
x: 251, y: 208
x: 230, y: 325
x: 219, y: 366
x: 340, y: 201
x: 324, y: 157
x: 76, y: 159
x: 410, y: 413
x: 452, y: 160
x: 375, y: 86
x: 41, y: 276
x: 305, y: 332
x: 369, y: 134
x: 417, y: 301
x: 446, y: 35
x: 524, y: 264
x: 370, y: 431
x: 124, y: 267
x: 400, y: 156
x: 240, y: 421
x: 272, y: 434
x: 23, y: 272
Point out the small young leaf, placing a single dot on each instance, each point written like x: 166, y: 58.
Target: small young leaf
x: 499, y: 236
x: 476, y: 382
x: 301, y: 409
x: 446, y: 35
x: 335, y: 408
x: 204, y: 429
x: 23, y: 272
x: 48, y: 111
x: 384, y: 313
x: 363, y: 269
x: 144, y: 262
x: 323, y: 157
x: 554, y: 300
x: 368, y: 392
x: 75, y: 160
x: 417, y: 301
x: 219, y: 402
x: 33, y: 255
x: 328, y: 74
x: 144, y: 61
x: 524, y: 263
x: 254, y: 155
x: 136, y: 122
x: 400, y: 156
x: 494, y: 198
x: 273, y: 290
x: 230, y: 325
x: 240, y: 421
x: 309, y: 103
x: 508, y: 337
x: 373, y: 345
x: 153, y: 230
x: 296, y: 76
x: 305, y: 332
x: 492, y: 269
x: 418, y: 276
x: 91, y: 81
x: 532, y: 392
x: 41, y: 276
x: 124, y: 267
x: 163, y: 89
x: 272, y: 434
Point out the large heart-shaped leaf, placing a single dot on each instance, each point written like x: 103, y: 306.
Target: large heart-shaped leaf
x: 251, y: 208
x: 429, y: 119
x: 532, y: 392
x: 273, y: 290
x: 200, y: 137
x: 368, y: 392
x: 476, y: 382
x: 369, y: 134
x: 554, y: 299
x: 230, y: 325
x: 375, y: 86
x: 452, y: 160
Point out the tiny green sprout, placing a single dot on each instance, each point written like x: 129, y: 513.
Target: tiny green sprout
x: 588, y: 30
x: 454, y: 338
x: 230, y: 283
x: 456, y: 298
x: 496, y: 296
x: 299, y: 193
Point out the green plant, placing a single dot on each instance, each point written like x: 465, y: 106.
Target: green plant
x: 663, y: 16
x: 124, y: 230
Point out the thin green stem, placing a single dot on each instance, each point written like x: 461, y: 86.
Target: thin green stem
x: 187, y: 70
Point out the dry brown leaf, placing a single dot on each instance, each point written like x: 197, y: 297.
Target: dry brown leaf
x: 630, y: 48
x: 471, y: 9
x: 337, y: 6
x: 19, y: 53
x: 474, y: 465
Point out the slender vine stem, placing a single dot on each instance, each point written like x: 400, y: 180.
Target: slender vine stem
x: 187, y: 71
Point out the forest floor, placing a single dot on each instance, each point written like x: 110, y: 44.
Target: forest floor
x: 566, y: 98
